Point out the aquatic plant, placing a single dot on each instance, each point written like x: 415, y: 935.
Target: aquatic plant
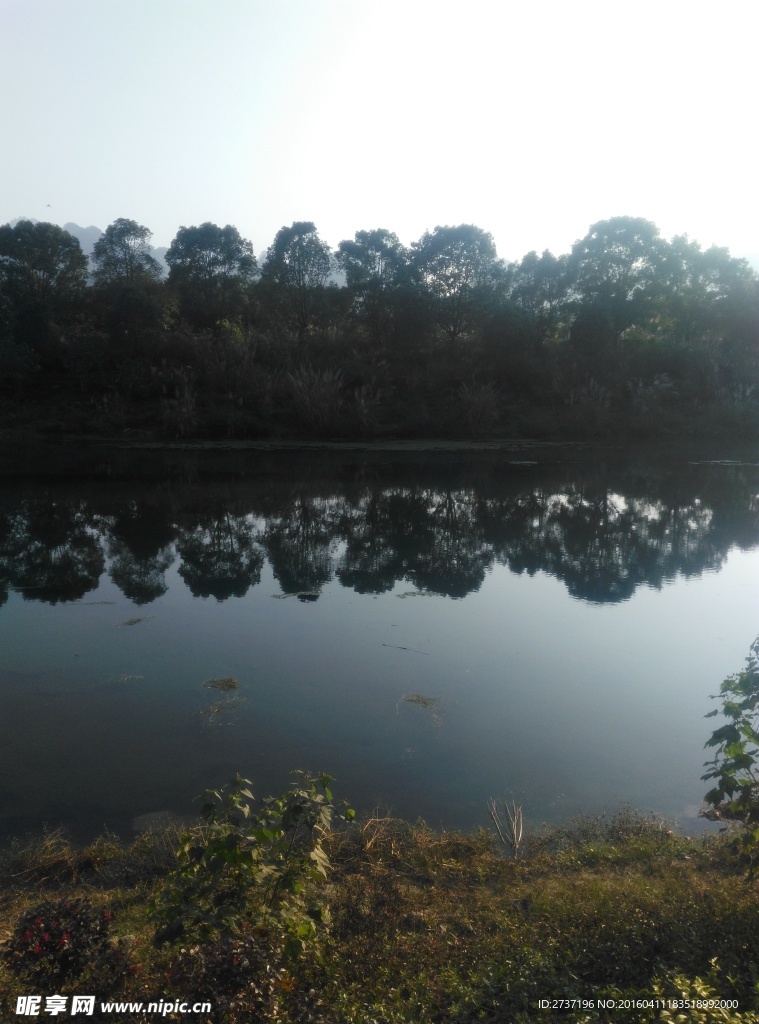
x: 214, y: 713
x: 225, y: 684
x: 423, y: 701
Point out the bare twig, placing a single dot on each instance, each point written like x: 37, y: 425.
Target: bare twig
x: 511, y: 834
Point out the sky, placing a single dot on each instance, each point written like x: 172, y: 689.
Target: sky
x: 531, y: 119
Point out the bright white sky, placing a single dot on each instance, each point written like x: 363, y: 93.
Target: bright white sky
x: 530, y: 118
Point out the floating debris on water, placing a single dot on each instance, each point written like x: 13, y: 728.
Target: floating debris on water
x: 225, y: 684
x: 722, y: 462
x: 414, y: 649
x: 302, y: 595
x: 214, y: 714
x: 126, y: 677
x: 420, y: 699
x: 426, y: 703
x: 417, y: 593
x: 133, y: 622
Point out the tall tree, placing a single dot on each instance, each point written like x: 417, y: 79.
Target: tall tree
x: 458, y: 267
x: 40, y: 263
x: 374, y: 264
x: 613, y: 273
x: 298, y: 265
x: 695, y: 284
x: 42, y: 272
x: 709, y: 309
x: 210, y: 266
x: 538, y: 285
x: 121, y: 254
x: 127, y: 297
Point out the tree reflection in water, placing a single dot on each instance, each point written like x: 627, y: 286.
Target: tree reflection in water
x: 220, y: 556
x: 603, y: 533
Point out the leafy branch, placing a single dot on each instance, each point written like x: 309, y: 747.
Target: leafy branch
x: 734, y: 766
x: 251, y: 868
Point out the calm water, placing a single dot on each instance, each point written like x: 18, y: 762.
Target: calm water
x: 566, y: 611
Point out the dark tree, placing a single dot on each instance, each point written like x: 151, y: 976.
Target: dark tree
x: 210, y: 267
x: 538, y: 285
x: 375, y: 264
x: 458, y: 267
x: 43, y: 272
x: 612, y: 276
x: 696, y: 286
x: 121, y: 254
x: 40, y: 263
x: 298, y: 265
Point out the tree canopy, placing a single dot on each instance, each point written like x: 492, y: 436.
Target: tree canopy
x: 372, y: 260
x: 209, y: 266
x: 121, y: 254
x: 40, y: 262
x: 298, y: 263
x: 374, y: 263
x: 456, y: 265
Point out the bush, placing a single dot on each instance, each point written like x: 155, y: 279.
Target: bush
x: 60, y: 941
x: 243, y: 869
x: 241, y: 977
x: 735, y: 798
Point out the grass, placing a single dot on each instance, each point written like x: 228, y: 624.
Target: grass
x: 433, y: 927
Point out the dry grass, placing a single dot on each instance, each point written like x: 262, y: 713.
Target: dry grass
x: 441, y: 927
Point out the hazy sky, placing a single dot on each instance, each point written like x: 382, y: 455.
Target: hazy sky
x: 531, y: 119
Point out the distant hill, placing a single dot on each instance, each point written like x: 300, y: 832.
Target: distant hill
x: 87, y: 236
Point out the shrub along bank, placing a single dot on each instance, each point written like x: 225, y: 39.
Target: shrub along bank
x: 276, y: 916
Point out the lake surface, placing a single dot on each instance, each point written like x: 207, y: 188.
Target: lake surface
x: 558, y: 615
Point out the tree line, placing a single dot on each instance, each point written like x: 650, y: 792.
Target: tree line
x: 627, y: 330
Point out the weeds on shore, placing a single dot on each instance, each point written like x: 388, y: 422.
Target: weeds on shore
x: 415, y: 924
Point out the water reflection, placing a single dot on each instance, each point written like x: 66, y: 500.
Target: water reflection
x: 141, y: 547
x: 51, y: 550
x: 557, y: 688
x: 603, y: 535
x: 219, y: 556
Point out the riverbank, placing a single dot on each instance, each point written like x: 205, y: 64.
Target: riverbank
x: 423, y: 926
x: 53, y: 418
x: 29, y: 452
